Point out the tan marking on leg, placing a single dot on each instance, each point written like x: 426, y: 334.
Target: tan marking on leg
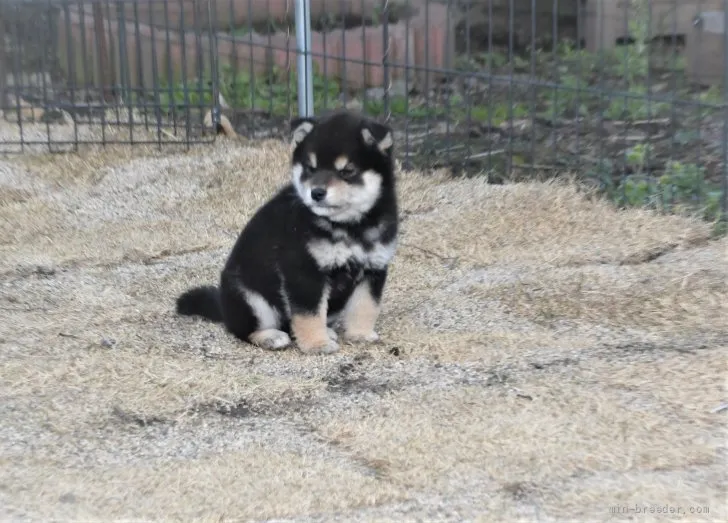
x: 311, y: 332
x: 270, y: 339
x: 360, y: 315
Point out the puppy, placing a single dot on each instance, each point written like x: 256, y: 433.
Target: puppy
x: 316, y: 255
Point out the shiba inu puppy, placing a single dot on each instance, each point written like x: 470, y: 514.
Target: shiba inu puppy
x: 315, y: 256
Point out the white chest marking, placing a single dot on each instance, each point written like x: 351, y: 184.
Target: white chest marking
x: 339, y: 234
x: 335, y: 254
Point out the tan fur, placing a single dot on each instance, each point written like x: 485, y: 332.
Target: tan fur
x: 360, y: 315
x: 311, y: 331
x: 337, y: 184
x: 341, y: 162
x: 382, y: 145
x: 337, y: 189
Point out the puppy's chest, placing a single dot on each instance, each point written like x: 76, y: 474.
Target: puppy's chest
x: 342, y: 280
x: 366, y: 249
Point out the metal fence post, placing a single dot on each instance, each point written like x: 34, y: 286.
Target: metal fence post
x: 724, y: 184
x: 304, y: 69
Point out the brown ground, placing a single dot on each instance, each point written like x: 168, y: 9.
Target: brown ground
x: 544, y: 357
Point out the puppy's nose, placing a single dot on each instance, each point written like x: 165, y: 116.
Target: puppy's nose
x: 318, y: 193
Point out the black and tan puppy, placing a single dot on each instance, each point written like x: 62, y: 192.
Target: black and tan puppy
x: 315, y: 256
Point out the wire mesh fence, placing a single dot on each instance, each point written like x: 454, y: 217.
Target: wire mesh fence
x: 104, y: 72
x: 629, y: 96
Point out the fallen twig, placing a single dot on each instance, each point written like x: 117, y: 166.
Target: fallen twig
x: 166, y: 253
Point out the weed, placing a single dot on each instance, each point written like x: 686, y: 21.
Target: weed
x: 681, y: 187
x: 567, y: 100
x: 635, y: 105
x: 172, y: 97
x: 481, y: 62
x: 401, y: 105
x: 497, y: 114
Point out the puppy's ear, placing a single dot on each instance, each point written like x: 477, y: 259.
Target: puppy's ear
x: 378, y: 135
x: 300, y: 127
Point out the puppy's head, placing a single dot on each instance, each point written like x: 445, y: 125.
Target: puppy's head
x: 341, y: 164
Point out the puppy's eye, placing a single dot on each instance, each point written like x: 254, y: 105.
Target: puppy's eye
x: 348, y: 172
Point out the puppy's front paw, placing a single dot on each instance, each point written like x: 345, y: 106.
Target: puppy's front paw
x: 326, y: 347
x: 370, y: 336
x: 332, y: 334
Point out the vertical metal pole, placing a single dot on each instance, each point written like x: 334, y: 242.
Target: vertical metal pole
x: 105, y: 72
x: 724, y: 188
x: 304, y: 66
x: 3, y: 74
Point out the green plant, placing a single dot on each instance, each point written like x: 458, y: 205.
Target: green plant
x: 684, y: 184
x: 634, y: 59
x: 635, y: 106
x: 495, y: 114
x: 638, y: 156
x: 682, y: 187
x: 573, y: 58
x: 273, y: 91
x: 479, y: 62
x: 495, y: 59
x: 567, y: 100
x: 712, y: 95
x: 181, y: 94
x: 402, y: 106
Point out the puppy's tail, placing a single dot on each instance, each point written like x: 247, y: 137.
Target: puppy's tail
x: 201, y: 301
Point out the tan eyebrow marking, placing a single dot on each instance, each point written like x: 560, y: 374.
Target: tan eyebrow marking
x: 341, y: 162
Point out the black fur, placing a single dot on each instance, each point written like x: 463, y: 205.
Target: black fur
x: 272, y: 257
x: 201, y: 301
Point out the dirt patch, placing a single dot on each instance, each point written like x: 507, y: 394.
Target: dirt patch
x: 538, y: 360
x: 350, y: 378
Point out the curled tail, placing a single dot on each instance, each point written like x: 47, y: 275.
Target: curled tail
x: 201, y: 301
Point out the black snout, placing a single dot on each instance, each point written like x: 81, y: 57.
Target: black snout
x: 318, y: 194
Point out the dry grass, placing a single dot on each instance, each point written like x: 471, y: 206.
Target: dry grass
x: 544, y: 356
x: 646, y: 296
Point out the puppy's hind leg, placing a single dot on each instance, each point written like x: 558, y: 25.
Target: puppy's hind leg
x: 250, y: 317
x: 270, y: 339
x: 268, y: 334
